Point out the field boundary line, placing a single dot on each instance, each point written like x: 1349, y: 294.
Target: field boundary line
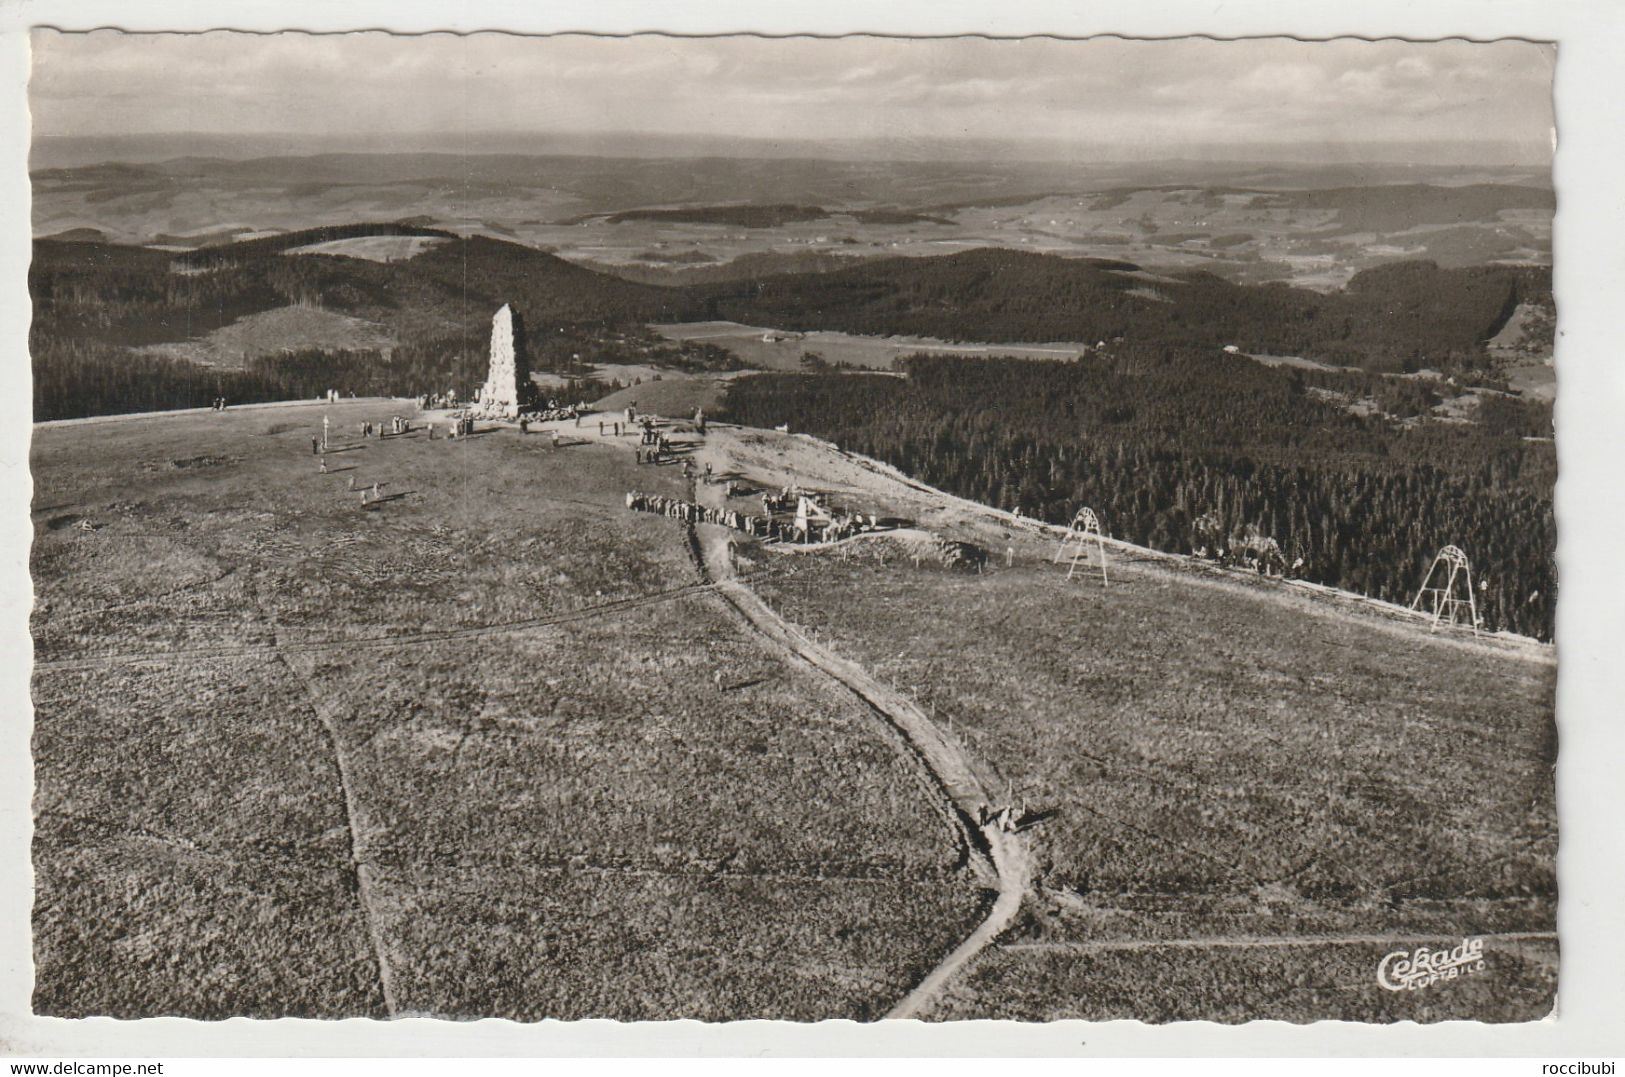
x: 415, y: 639
x: 1238, y: 942
x: 564, y: 866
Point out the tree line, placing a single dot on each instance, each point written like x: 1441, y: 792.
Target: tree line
x: 1169, y: 445
x: 1400, y: 317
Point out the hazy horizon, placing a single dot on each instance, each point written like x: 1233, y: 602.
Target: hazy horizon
x: 1104, y: 100
x: 73, y: 151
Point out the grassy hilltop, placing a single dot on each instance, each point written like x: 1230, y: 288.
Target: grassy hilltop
x: 494, y: 746
x: 487, y: 749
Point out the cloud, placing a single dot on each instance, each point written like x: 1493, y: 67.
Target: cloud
x: 1095, y: 90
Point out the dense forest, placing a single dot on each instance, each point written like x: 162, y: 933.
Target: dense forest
x: 1174, y: 442
x: 1396, y: 317
x: 93, y: 303
x: 91, y: 379
x: 1177, y: 448
x: 1400, y: 317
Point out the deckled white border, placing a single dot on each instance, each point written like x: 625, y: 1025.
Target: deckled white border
x: 1590, y: 245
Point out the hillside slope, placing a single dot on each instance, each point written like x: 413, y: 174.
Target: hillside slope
x: 488, y: 746
x: 1212, y: 771
x: 1216, y: 772
x: 1401, y: 316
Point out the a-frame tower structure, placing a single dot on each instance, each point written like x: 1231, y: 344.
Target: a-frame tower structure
x: 1085, y: 527
x: 1447, y: 591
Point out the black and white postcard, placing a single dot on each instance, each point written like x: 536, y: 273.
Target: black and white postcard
x: 734, y: 527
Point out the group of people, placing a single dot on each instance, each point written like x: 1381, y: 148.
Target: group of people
x: 396, y: 427
x: 800, y: 529
x: 1004, y: 819
x: 370, y: 493
x: 555, y: 412
x: 687, y: 511
x: 813, y: 522
x: 785, y: 501
x: 218, y: 404
x: 660, y: 452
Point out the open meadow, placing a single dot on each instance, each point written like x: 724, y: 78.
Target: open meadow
x: 505, y: 748
x: 1225, y: 788
x: 486, y: 747
x: 771, y: 349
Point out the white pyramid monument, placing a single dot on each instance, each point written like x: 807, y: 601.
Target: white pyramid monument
x: 508, y: 389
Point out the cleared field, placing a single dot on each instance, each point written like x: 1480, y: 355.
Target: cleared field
x: 372, y: 248
x: 1207, y: 763
x: 673, y: 394
x: 874, y: 353
x: 573, y: 784
x: 613, y: 739
x: 646, y: 947
x: 273, y: 332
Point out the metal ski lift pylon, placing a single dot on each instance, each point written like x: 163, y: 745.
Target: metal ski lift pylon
x: 1085, y: 525
x: 1447, y: 590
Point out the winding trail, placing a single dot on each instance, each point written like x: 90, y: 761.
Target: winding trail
x: 1006, y: 852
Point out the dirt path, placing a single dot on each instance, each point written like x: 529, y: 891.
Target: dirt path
x: 360, y: 868
x: 1007, y: 853
x: 359, y: 864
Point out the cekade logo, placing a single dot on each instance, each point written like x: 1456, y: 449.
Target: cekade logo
x: 1422, y: 967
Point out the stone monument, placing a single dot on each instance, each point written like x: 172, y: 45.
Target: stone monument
x: 508, y: 389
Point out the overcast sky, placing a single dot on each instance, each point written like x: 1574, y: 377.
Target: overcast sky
x: 1094, y: 94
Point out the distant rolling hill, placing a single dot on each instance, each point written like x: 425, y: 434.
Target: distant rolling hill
x: 79, y: 235
x: 752, y: 215
x: 187, y: 195
x: 1398, y: 316
x: 1402, y: 315
x: 674, y: 272
x: 1396, y: 207
x: 248, y: 249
